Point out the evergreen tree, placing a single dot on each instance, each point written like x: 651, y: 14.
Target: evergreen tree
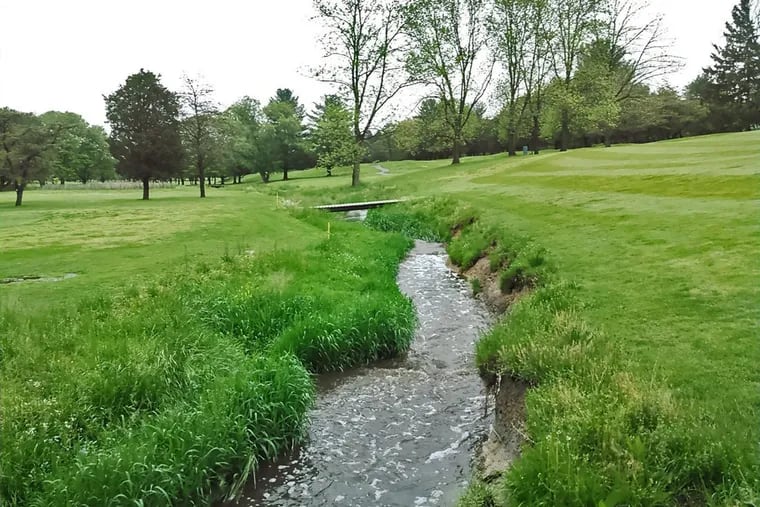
x: 735, y: 74
x: 331, y: 137
x: 283, y: 134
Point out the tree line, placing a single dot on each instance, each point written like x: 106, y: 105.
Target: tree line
x: 561, y: 73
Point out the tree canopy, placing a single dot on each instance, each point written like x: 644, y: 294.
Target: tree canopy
x: 145, y: 131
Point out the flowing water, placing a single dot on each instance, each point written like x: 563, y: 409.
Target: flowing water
x: 401, y: 432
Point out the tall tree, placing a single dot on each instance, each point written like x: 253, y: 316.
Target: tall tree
x: 145, y: 133
x: 735, y: 73
x: 364, y: 58
x: 284, y: 132
x: 81, y: 151
x: 240, y: 129
x: 517, y: 31
x: 449, y: 52
x: 25, y: 145
x: 572, y: 24
x: 198, y: 121
x: 631, y: 47
x: 330, y: 135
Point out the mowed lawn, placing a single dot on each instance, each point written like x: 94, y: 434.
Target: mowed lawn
x: 664, y: 240
x: 112, y: 238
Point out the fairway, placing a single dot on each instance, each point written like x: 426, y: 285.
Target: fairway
x: 110, y: 238
x: 661, y: 240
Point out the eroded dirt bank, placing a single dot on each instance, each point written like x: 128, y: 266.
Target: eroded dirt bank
x: 507, y: 434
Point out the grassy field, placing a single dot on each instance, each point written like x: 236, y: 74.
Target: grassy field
x: 111, y: 239
x: 661, y: 242
x: 180, y: 356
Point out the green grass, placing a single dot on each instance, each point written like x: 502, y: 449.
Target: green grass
x: 171, y: 387
x: 646, y: 369
x: 144, y: 373
x: 112, y: 239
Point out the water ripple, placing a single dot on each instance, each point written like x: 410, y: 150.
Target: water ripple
x: 401, y: 433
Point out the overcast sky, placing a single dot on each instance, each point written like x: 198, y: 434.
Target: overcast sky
x: 66, y: 55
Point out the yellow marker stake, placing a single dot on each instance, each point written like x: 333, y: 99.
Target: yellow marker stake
x: 328, y: 230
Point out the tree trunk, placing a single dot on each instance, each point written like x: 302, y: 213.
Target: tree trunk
x: 456, y: 152
x: 607, y: 138
x: 201, y: 175
x: 357, y: 166
x: 535, y: 134
x: 565, y: 135
x: 512, y: 147
x: 20, y: 193
x: 146, y: 188
x: 284, y: 174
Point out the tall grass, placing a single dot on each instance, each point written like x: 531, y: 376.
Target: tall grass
x: 173, y: 392
x: 598, y: 434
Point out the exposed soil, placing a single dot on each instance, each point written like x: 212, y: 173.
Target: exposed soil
x: 36, y: 278
x: 507, y: 435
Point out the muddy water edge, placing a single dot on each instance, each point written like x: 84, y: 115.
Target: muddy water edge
x: 400, y: 432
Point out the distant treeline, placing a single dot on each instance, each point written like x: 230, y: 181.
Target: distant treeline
x: 564, y: 74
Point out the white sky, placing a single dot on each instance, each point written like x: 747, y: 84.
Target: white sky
x: 66, y: 54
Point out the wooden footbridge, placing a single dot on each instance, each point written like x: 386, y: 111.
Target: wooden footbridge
x: 354, y: 206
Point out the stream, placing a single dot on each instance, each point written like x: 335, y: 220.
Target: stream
x: 399, y: 432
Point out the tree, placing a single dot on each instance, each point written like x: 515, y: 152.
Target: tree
x: 240, y: 129
x: 735, y: 75
x: 198, y: 113
x: 631, y: 47
x: 586, y: 107
x: 571, y: 25
x: 81, y: 150
x: 25, y: 144
x: 145, y: 133
x: 427, y: 135
x: 284, y: 133
x: 449, y: 52
x: 330, y: 136
x: 517, y: 31
x: 363, y: 57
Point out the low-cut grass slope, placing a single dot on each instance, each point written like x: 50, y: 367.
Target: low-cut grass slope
x: 661, y: 241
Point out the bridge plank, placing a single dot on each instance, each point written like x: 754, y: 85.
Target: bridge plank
x: 353, y: 206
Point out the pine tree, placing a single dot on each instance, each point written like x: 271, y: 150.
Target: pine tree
x: 735, y: 75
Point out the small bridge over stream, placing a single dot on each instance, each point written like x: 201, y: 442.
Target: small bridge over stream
x: 355, y: 206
